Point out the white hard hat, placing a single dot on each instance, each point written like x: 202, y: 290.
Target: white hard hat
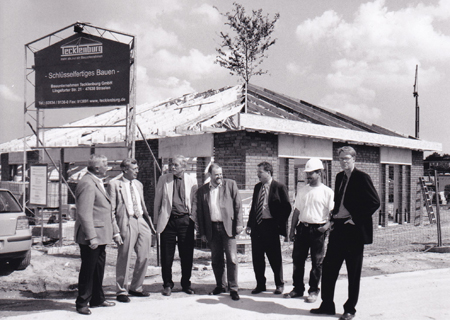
x: 313, y: 164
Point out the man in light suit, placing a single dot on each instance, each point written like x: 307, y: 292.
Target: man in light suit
x: 94, y: 229
x: 219, y: 218
x: 135, y: 225
x: 266, y: 222
x: 356, y: 200
x: 173, y: 214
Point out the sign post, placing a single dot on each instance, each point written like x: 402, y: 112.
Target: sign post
x: 38, y: 191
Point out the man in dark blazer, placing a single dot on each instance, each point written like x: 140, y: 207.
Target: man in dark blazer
x: 219, y: 218
x: 356, y: 200
x: 136, y: 227
x: 267, y: 221
x: 94, y: 228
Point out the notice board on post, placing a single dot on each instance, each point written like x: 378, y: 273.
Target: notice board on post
x: 82, y: 71
x: 38, y: 185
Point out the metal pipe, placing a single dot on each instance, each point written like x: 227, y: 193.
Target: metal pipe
x: 438, y: 215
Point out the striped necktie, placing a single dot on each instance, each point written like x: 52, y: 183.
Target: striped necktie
x: 259, y: 207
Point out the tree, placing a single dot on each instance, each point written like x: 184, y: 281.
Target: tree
x: 244, y: 53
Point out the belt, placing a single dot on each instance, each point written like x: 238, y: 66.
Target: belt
x: 216, y: 222
x: 306, y: 224
x: 175, y: 217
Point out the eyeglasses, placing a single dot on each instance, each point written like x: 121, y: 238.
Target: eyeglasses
x: 346, y: 159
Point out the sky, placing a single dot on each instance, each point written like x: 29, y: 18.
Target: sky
x: 355, y: 57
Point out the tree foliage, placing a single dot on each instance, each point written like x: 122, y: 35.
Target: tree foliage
x: 243, y: 53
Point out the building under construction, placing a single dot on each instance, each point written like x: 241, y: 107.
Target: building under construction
x: 218, y: 125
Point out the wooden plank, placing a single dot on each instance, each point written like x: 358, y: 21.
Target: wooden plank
x: 269, y: 124
x: 312, y: 115
x: 264, y: 107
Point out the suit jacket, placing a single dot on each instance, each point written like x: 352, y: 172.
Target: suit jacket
x: 279, y: 206
x: 230, y: 205
x: 119, y: 200
x: 164, y: 195
x: 361, y: 200
x: 94, y: 214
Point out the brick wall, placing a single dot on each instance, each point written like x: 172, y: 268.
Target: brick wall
x: 260, y: 147
x: 240, y: 152
x: 367, y: 160
x: 229, y: 152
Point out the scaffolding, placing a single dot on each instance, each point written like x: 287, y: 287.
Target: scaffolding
x: 34, y: 116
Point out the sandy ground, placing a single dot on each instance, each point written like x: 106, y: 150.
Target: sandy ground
x: 417, y: 295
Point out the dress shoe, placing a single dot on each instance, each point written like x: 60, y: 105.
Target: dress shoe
x: 234, y: 295
x: 293, y: 294
x: 258, y: 290
x: 323, y: 311
x: 279, y: 290
x: 312, y: 297
x: 122, y: 298
x: 188, y: 290
x: 347, y: 316
x: 139, y: 293
x: 217, y: 290
x: 84, y: 310
x: 104, y: 304
x: 167, y: 291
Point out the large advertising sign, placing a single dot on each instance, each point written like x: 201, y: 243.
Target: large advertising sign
x: 82, y: 71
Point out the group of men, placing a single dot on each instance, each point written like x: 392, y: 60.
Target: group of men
x: 215, y: 208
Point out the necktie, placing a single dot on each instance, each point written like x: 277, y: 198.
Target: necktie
x: 133, y: 198
x: 259, y: 207
x: 340, y: 194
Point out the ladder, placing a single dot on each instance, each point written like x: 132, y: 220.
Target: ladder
x: 427, y: 199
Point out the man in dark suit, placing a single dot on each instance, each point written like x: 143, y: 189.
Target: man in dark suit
x: 267, y: 221
x: 219, y: 218
x: 175, y: 221
x: 94, y: 229
x: 136, y: 227
x: 355, y: 200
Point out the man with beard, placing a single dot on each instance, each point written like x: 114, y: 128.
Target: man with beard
x: 310, y: 223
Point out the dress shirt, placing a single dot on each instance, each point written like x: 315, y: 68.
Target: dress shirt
x: 214, y: 206
x: 130, y: 209
x: 343, y: 213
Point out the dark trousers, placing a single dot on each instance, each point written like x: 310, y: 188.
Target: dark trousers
x: 308, y: 238
x: 345, y: 244
x: 178, y: 231
x: 90, y: 279
x: 221, y: 243
x: 266, y: 240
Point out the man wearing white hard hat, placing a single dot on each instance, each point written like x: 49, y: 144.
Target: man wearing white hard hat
x: 310, y: 223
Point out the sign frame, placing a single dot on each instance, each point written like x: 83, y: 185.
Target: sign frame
x: 36, y: 114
